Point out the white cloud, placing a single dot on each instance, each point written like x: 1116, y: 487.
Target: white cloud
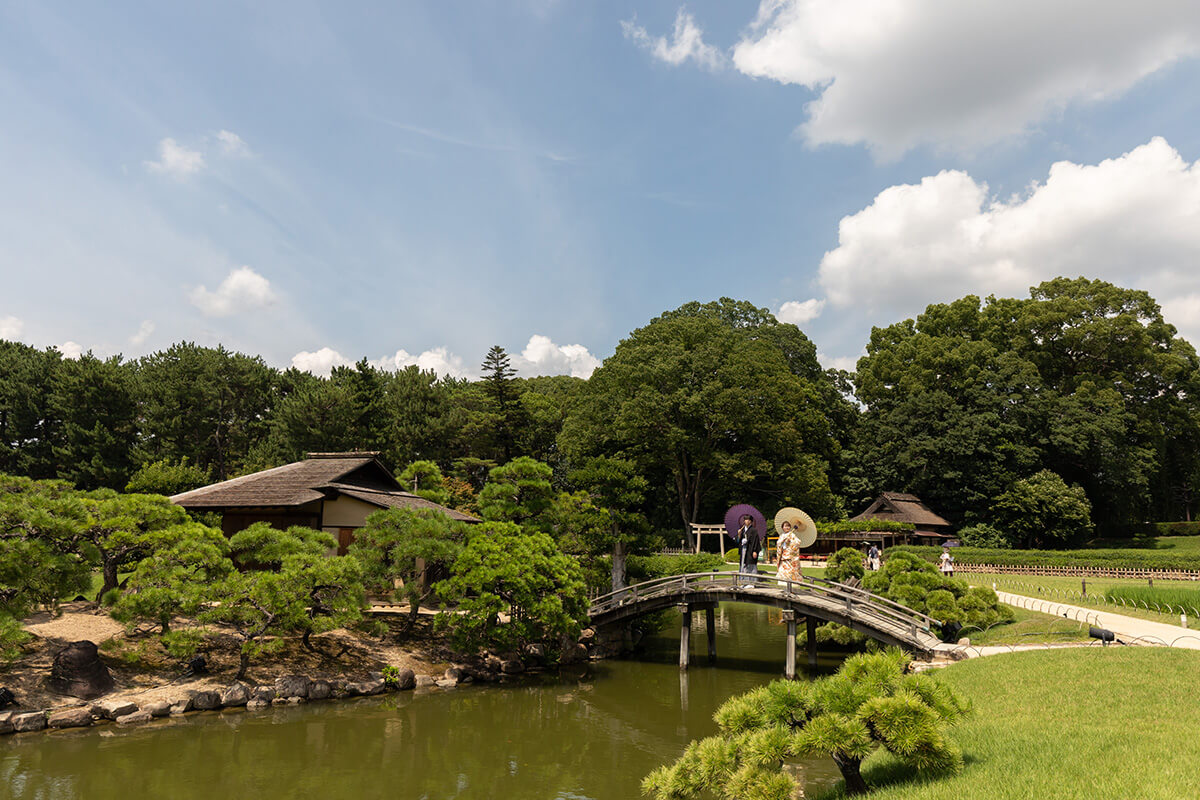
x: 143, y: 332
x: 848, y: 363
x: 1132, y: 220
x: 798, y: 313
x: 894, y: 74
x: 70, y: 349
x: 243, y: 289
x: 232, y: 144
x: 687, y: 42
x: 542, y: 356
x: 176, y: 160
x: 320, y: 362
x: 437, y: 359
x: 10, y: 328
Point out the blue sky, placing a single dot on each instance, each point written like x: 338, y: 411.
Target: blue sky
x: 415, y: 182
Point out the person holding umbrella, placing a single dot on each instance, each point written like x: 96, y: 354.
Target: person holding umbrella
x: 748, y: 546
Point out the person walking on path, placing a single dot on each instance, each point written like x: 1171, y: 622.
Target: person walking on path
x: 873, y: 558
x: 747, y: 542
x: 788, y: 553
x: 946, y: 563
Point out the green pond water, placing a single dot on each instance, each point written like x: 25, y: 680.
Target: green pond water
x: 590, y: 733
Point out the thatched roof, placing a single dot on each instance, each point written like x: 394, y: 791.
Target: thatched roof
x: 320, y: 476
x: 399, y: 499
x: 901, y: 507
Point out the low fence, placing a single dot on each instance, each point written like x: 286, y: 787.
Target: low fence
x: 1082, y: 572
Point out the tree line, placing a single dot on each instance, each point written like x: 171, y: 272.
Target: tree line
x: 1079, y: 396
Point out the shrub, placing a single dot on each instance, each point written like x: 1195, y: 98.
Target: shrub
x: 643, y: 568
x: 984, y: 535
x: 845, y: 564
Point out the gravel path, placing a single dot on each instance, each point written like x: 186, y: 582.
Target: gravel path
x: 1128, y: 629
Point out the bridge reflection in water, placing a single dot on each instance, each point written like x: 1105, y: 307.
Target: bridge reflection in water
x: 812, y: 599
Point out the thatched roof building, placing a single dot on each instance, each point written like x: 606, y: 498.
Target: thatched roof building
x: 333, y: 492
x: 901, y: 507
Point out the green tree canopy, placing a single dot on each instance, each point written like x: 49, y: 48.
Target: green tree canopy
x: 706, y: 400
x: 521, y: 574
x: 425, y: 479
x: 414, y: 547
x: 1043, y: 511
x: 168, y: 477
x: 519, y: 491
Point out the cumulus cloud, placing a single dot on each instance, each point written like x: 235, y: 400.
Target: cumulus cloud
x: 243, y: 289
x: 176, y: 160
x: 10, y: 328
x: 1132, y: 220
x: 437, y: 359
x: 686, y: 43
x: 70, y: 349
x: 143, y: 332
x: 798, y: 313
x: 542, y: 356
x: 320, y: 362
x: 848, y: 363
x: 232, y: 144
x: 894, y: 75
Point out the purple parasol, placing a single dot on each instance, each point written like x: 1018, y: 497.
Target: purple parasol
x: 733, y: 520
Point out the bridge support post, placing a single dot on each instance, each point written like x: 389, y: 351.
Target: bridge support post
x: 789, y: 616
x: 685, y: 635
x: 710, y: 628
x: 810, y: 630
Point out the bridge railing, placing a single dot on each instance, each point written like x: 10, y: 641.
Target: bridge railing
x: 699, y: 581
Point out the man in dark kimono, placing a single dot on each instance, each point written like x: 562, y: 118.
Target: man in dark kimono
x: 748, y: 546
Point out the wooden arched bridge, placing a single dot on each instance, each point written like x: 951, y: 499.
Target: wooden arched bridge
x: 813, y: 599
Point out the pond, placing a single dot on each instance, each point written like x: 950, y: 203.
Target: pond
x: 592, y: 733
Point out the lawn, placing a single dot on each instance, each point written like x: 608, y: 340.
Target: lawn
x: 1068, y: 590
x: 1072, y: 723
x: 1178, y: 544
x: 1030, y: 627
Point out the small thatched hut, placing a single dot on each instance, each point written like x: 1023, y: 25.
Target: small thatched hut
x: 900, y: 507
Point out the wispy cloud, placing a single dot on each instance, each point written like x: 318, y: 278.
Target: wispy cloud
x: 232, y: 144
x: 686, y: 43
x: 479, y: 144
x: 10, y: 327
x: 143, y: 332
x: 176, y: 160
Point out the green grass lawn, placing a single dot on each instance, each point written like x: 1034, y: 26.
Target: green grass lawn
x: 1067, y: 590
x: 1067, y: 724
x: 1030, y: 627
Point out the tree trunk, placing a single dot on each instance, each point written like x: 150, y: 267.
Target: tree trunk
x: 849, y: 767
x: 243, y: 664
x: 306, y: 641
x: 618, y: 565
x: 110, y: 574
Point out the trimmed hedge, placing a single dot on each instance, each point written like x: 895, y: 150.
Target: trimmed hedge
x: 863, y: 526
x: 1108, y: 559
x: 1173, y: 528
x: 642, y: 568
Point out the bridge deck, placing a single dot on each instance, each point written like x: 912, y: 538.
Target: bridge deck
x: 877, y: 617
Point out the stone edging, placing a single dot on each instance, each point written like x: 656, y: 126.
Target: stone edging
x: 286, y: 690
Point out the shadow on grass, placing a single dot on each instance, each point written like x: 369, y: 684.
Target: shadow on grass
x: 890, y: 773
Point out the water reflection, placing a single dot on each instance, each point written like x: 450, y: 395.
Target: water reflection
x: 592, y: 733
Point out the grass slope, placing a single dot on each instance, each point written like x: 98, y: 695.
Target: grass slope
x: 1074, y: 724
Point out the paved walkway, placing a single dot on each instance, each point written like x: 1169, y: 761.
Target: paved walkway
x: 1128, y: 629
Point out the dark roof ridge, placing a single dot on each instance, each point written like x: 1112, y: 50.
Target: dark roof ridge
x: 345, y: 454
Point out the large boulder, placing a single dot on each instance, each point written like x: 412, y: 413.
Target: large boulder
x: 71, y: 718
x: 159, y: 708
x: 320, y: 690
x: 29, y: 721
x: 6, y: 725
x: 368, y: 687
x: 292, y: 686
x: 206, y: 701
x: 406, y: 679
x: 235, y: 694
x: 135, y: 717
x: 112, y: 709
x: 78, y: 671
